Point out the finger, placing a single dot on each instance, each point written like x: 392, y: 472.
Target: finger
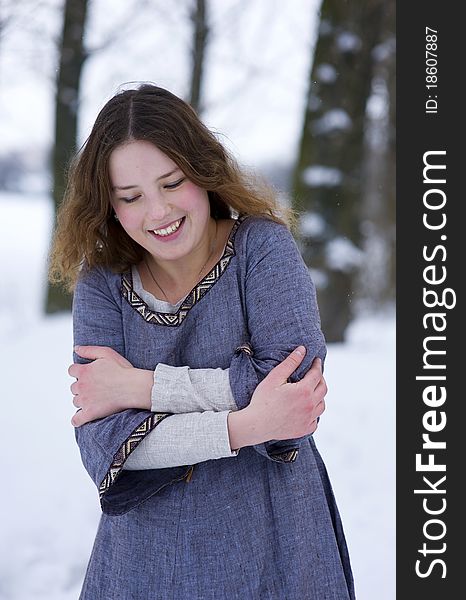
x: 80, y: 418
x: 321, y: 388
x: 77, y: 419
x: 282, y: 371
x: 76, y: 401
x: 94, y: 352
x: 320, y: 408
x: 317, y: 364
x: 325, y: 385
x: 74, y: 369
x: 314, y: 426
x: 314, y: 376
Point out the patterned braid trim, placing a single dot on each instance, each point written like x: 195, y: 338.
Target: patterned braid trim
x: 194, y: 296
x: 127, y: 447
x: 285, y: 457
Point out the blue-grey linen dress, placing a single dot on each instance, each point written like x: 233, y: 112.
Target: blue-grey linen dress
x: 260, y: 526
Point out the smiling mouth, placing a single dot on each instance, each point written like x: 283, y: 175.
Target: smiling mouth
x: 166, y: 231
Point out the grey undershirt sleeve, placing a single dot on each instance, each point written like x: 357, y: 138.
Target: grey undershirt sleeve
x: 184, y: 439
x: 182, y: 390
x: 200, y: 432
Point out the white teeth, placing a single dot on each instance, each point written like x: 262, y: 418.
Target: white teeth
x: 168, y: 230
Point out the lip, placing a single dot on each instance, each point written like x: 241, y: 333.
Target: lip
x: 170, y: 236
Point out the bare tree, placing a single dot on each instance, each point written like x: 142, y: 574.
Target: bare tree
x: 72, y: 58
x: 200, y: 36
x: 5, y: 15
x: 73, y: 55
x: 377, y: 275
x: 328, y: 182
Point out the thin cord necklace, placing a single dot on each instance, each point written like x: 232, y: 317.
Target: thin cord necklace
x: 212, y: 249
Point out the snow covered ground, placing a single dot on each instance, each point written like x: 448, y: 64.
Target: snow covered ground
x: 48, y: 505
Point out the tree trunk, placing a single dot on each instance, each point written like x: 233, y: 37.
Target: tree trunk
x: 200, y: 35
x: 328, y: 178
x: 377, y: 282
x: 72, y: 57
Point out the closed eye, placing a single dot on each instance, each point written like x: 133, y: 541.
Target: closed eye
x: 130, y: 200
x: 175, y: 184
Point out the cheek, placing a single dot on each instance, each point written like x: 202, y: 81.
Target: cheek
x: 197, y: 198
x: 128, y: 218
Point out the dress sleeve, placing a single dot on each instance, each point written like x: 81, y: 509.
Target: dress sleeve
x: 282, y: 313
x: 105, y: 444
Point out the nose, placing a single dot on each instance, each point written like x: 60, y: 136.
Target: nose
x: 157, y: 208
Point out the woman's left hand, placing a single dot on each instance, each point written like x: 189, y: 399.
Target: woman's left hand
x: 107, y: 385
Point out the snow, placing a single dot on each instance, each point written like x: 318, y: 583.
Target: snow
x: 377, y: 105
x: 326, y: 73
x: 384, y: 50
x: 322, y: 176
x: 256, y: 82
x: 50, y: 507
x: 311, y: 224
x: 348, y: 42
x: 342, y: 254
x: 333, y: 120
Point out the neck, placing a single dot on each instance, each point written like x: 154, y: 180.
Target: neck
x: 177, y: 274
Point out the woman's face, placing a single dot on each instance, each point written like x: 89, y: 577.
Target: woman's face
x: 157, y: 206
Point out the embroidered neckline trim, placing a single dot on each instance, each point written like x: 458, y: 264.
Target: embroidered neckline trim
x: 193, y: 297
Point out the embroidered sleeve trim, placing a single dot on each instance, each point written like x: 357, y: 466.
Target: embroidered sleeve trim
x: 196, y: 294
x: 285, y: 457
x: 246, y: 348
x: 127, y: 447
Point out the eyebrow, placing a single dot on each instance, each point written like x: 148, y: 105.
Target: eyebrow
x: 130, y: 187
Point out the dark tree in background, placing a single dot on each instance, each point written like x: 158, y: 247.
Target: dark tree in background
x: 377, y: 275
x: 344, y: 178
x: 200, y: 27
x: 329, y: 181
x: 6, y: 16
x: 72, y: 57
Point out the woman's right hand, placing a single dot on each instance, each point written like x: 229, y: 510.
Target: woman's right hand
x: 280, y: 410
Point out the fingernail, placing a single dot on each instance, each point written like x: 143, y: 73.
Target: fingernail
x: 76, y: 348
x: 300, y: 350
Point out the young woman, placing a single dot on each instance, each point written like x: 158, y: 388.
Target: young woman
x: 189, y: 290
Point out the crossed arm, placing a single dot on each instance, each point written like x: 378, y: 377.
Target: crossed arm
x: 281, y: 313
x: 278, y: 410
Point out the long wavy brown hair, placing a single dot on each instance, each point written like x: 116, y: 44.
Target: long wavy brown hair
x: 86, y: 231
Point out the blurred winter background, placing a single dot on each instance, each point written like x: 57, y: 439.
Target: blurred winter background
x: 303, y: 92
